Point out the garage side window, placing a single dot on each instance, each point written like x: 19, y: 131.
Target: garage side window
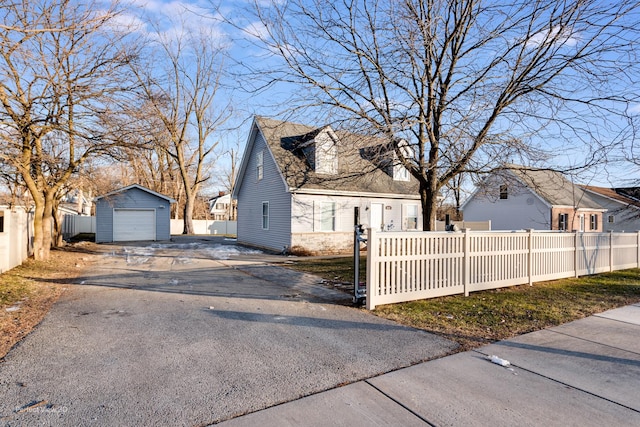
x: 265, y: 215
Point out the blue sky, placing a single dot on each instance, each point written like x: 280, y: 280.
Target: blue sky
x: 170, y: 18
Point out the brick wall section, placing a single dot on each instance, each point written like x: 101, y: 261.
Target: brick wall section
x: 323, y: 243
x: 574, y: 219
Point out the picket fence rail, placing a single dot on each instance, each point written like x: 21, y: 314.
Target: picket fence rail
x: 407, y: 266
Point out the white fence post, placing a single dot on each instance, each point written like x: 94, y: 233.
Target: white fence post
x: 576, y: 254
x: 467, y: 261
x: 530, y: 257
x: 610, y: 250
x: 372, y: 255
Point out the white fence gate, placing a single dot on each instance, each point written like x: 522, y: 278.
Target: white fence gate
x: 406, y: 266
x: 16, y: 234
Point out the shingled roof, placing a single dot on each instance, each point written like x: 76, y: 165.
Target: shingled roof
x: 358, y: 170
x: 622, y: 195
x: 554, y: 188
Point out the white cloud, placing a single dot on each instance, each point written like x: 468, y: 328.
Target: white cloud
x: 256, y: 30
x: 633, y: 109
x: 127, y: 23
x: 557, y: 35
x: 172, y: 20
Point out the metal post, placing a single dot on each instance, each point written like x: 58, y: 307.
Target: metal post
x: 358, y: 294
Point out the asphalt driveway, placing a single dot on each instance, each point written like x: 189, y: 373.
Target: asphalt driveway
x: 193, y: 333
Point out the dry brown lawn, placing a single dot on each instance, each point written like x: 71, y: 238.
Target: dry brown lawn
x: 27, y: 292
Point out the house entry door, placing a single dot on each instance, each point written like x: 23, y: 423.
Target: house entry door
x: 376, y: 219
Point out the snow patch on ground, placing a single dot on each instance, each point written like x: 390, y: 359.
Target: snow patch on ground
x: 141, y: 254
x: 228, y: 251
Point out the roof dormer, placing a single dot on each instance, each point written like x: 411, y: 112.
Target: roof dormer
x: 322, y: 151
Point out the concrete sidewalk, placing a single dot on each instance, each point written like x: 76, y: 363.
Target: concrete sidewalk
x: 584, y: 373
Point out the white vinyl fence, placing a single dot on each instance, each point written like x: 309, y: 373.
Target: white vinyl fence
x: 72, y: 225
x: 203, y: 226
x: 16, y: 233
x: 406, y: 266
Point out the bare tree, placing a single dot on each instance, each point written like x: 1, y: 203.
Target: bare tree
x: 460, y: 82
x: 183, y: 99
x: 63, y: 67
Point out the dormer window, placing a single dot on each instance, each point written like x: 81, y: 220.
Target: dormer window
x: 400, y: 173
x: 326, y: 157
x: 321, y: 152
x: 504, y: 193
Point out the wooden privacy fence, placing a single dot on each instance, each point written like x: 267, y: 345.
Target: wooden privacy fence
x: 406, y: 266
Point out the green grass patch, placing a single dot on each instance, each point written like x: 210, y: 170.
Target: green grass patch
x: 488, y: 316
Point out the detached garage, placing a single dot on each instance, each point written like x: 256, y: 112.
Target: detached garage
x: 133, y: 213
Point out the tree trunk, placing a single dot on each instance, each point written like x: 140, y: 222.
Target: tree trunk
x: 47, y: 226
x: 429, y: 199
x: 58, y: 219
x: 429, y: 207
x: 188, y: 215
x: 38, y: 254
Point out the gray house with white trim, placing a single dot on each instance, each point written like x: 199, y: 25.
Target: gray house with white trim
x: 298, y: 185
x: 133, y: 213
x: 520, y: 198
x: 622, y: 204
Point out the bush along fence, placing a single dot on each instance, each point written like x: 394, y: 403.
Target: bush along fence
x: 406, y: 266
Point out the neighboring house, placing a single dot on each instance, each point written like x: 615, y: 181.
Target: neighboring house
x: 521, y: 198
x: 622, y: 204
x: 75, y: 203
x: 222, y: 207
x: 298, y: 187
x: 133, y: 213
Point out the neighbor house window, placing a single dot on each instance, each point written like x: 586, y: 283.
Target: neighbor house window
x: 563, y: 222
x: 612, y: 219
x: 327, y: 216
x: 1, y: 222
x: 260, y: 164
x: 594, y: 222
x: 504, y: 194
x: 410, y: 217
x: 400, y: 173
x: 265, y: 215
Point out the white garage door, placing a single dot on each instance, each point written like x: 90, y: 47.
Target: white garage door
x: 134, y: 224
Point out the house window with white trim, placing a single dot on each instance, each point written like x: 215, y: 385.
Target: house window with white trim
x: 327, y: 216
x: 504, y: 193
x: 594, y: 222
x: 265, y: 215
x: 259, y: 165
x: 410, y: 219
x: 563, y: 222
